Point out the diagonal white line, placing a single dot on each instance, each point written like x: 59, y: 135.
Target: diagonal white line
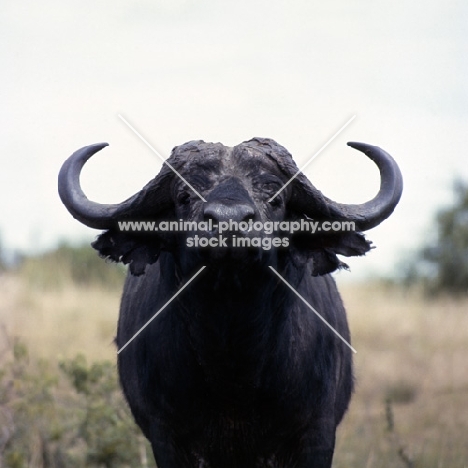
x: 161, y: 309
x: 157, y: 154
x: 312, y: 158
x: 312, y: 309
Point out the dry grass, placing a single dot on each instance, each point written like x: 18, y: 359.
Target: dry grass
x: 60, y: 323
x: 411, y: 402
x: 410, y: 408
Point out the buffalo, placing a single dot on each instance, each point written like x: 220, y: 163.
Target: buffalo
x: 236, y: 370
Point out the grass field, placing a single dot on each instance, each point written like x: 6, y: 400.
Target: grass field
x: 410, y: 408
x: 411, y: 402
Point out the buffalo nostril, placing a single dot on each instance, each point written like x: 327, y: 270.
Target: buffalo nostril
x: 209, y: 217
x: 213, y: 222
x: 250, y: 215
x: 234, y: 214
x: 221, y: 212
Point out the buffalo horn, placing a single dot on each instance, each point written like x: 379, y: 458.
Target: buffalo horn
x: 92, y: 214
x: 372, y: 213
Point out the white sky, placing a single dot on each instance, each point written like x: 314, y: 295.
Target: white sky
x: 227, y: 71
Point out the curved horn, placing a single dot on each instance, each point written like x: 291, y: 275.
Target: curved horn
x: 372, y: 213
x: 311, y: 202
x: 92, y: 214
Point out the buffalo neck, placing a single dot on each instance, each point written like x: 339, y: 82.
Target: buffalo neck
x: 233, y: 319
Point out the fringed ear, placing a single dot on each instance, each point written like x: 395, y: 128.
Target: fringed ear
x: 325, y: 261
x: 128, y: 249
x: 323, y: 249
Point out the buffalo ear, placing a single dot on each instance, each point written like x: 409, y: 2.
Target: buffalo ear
x: 129, y: 249
x: 323, y: 249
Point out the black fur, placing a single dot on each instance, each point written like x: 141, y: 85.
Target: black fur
x: 236, y: 372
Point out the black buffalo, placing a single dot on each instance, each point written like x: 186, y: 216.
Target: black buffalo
x: 237, y: 371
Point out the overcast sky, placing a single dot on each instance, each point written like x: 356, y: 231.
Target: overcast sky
x: 227, y: 71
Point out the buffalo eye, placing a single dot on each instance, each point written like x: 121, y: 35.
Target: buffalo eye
x: 277, y: 201
x: 267, y: 186
x: 183, y: 198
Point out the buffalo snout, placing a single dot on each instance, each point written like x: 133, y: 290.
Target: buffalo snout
x: 230, y: 203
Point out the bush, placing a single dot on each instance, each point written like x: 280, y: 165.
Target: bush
x: 442, y: 264
x: 72, y: 415
x: 77, y: 264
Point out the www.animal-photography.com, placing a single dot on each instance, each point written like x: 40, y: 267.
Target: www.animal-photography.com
x: 234, y: 235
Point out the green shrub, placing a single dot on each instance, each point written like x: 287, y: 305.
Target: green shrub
x: 71, y: 415
x: 442, y: 264
x: 77, y: 264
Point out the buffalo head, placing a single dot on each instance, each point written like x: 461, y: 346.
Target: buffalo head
x: 211, y: 182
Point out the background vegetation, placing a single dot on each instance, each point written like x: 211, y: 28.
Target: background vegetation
x: 60, y: 404
x: 441, y: 266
